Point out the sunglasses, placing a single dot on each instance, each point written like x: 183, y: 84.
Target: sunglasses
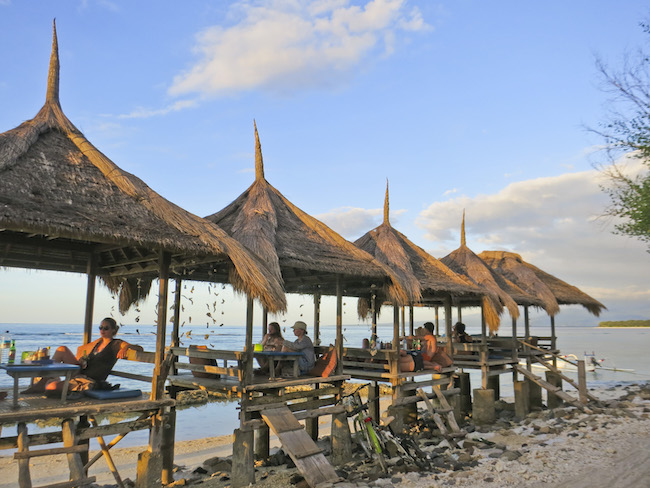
x: 101, y: 327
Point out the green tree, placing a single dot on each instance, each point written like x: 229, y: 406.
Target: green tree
x: 627, y: 131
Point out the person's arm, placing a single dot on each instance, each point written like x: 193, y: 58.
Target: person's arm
x: 85, y: 349
x: 125, y: 347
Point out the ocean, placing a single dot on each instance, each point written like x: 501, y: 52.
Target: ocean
x: 618, y: 347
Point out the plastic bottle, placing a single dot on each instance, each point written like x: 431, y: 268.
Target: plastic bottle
x: 12, y: 352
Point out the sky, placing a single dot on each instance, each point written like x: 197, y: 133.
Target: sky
x: 465, y: 104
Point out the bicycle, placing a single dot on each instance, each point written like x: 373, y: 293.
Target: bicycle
x: 376, y: 440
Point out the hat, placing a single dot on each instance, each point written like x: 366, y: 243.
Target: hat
x: 299, y: 325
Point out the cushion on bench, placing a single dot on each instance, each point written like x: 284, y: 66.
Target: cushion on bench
x: 325, y: 364
x: 112, y: 394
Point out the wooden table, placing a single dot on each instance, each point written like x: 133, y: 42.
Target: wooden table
x: 276, y: 356
x: 17, y: 371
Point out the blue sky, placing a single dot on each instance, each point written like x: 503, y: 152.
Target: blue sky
x: 459, y: 104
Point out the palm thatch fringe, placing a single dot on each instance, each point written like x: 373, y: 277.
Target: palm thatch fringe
x: 131, y: 291
x: 564, y: 293
x: 512, y: 267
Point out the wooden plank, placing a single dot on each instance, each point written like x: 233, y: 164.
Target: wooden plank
x: 49, y: 452
x: 71, y: 483
x: 554, y: 389
x: 451, y: 419
x: 24, y: 478
x: 124, y: 405
x: 74, y: 459
x: 314, y: 467
x: 558, y: 372
x: 299, y: 442
x: 281, y: 420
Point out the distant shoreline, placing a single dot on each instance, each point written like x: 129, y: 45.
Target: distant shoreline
x: 627, y: 324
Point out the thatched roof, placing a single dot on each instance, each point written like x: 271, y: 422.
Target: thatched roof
x: 511, y: 266
x: 62, y: 202
x: 413, y: 264
x: 497, y: 288
x: 302, y: 252
x: 565, y: 294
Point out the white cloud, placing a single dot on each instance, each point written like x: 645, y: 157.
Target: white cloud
x: 288, y: 45
x: 555, y: 223
x: 144, y: 113
x: 353, y: 222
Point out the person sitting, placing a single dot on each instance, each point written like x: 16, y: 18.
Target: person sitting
x: 459, y: 334
x: 272, y: 341
x: 430, y: 355
x: 96, y: 359
x: 302, y: 344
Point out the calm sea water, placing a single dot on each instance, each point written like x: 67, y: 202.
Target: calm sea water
x: 623, y: 348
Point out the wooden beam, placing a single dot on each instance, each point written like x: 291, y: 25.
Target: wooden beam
x: 90, y: 299
x: 163, y: 290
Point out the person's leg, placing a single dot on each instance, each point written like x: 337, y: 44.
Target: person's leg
x: 64, y: 355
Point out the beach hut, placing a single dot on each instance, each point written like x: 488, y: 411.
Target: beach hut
x: 67, y: 207
x: 501, y: 294
x: 437, y: 284
x: 552, y: 291
x: 307, y: 257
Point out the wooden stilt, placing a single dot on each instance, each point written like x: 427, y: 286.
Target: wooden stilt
x: 317, y: 340
x: 339, y: 326
x: 90, y: 299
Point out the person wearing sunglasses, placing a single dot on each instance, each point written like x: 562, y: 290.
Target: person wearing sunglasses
x: 96, y: 360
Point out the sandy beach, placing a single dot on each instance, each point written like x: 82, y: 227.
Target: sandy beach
x: 561, y: 447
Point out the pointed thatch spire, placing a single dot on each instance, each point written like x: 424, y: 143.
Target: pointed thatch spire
x: 386, y: 222
x: 462, y: 231
x: 53, y: 74
x: 259, y: 162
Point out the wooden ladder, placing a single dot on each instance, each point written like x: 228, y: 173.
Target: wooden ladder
x: 553, y: 389
x: 302, y: 449
x: 453, y: 430
x: 70, y: 447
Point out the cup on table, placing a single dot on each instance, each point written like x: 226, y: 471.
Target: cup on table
x: 258, y: 348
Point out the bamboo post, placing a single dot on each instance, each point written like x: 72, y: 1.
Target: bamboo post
x: 317, y: 319
x: 169, y: 432
x: 411, y: 321
x: 459, y: 313
x: 483, y: 325
x: 265, y: 321
x: 527, y: 349
x: 248, y: 348
x: 403, y: 320
x: 90, y: 299
x: 553, y: 340
x: 149, y: 466
x: 339, y: 327
x: 448, y: 326
x: 373, y: 308
x: 164, y: 261
x: 437, y: 322
x: 515, y: 378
